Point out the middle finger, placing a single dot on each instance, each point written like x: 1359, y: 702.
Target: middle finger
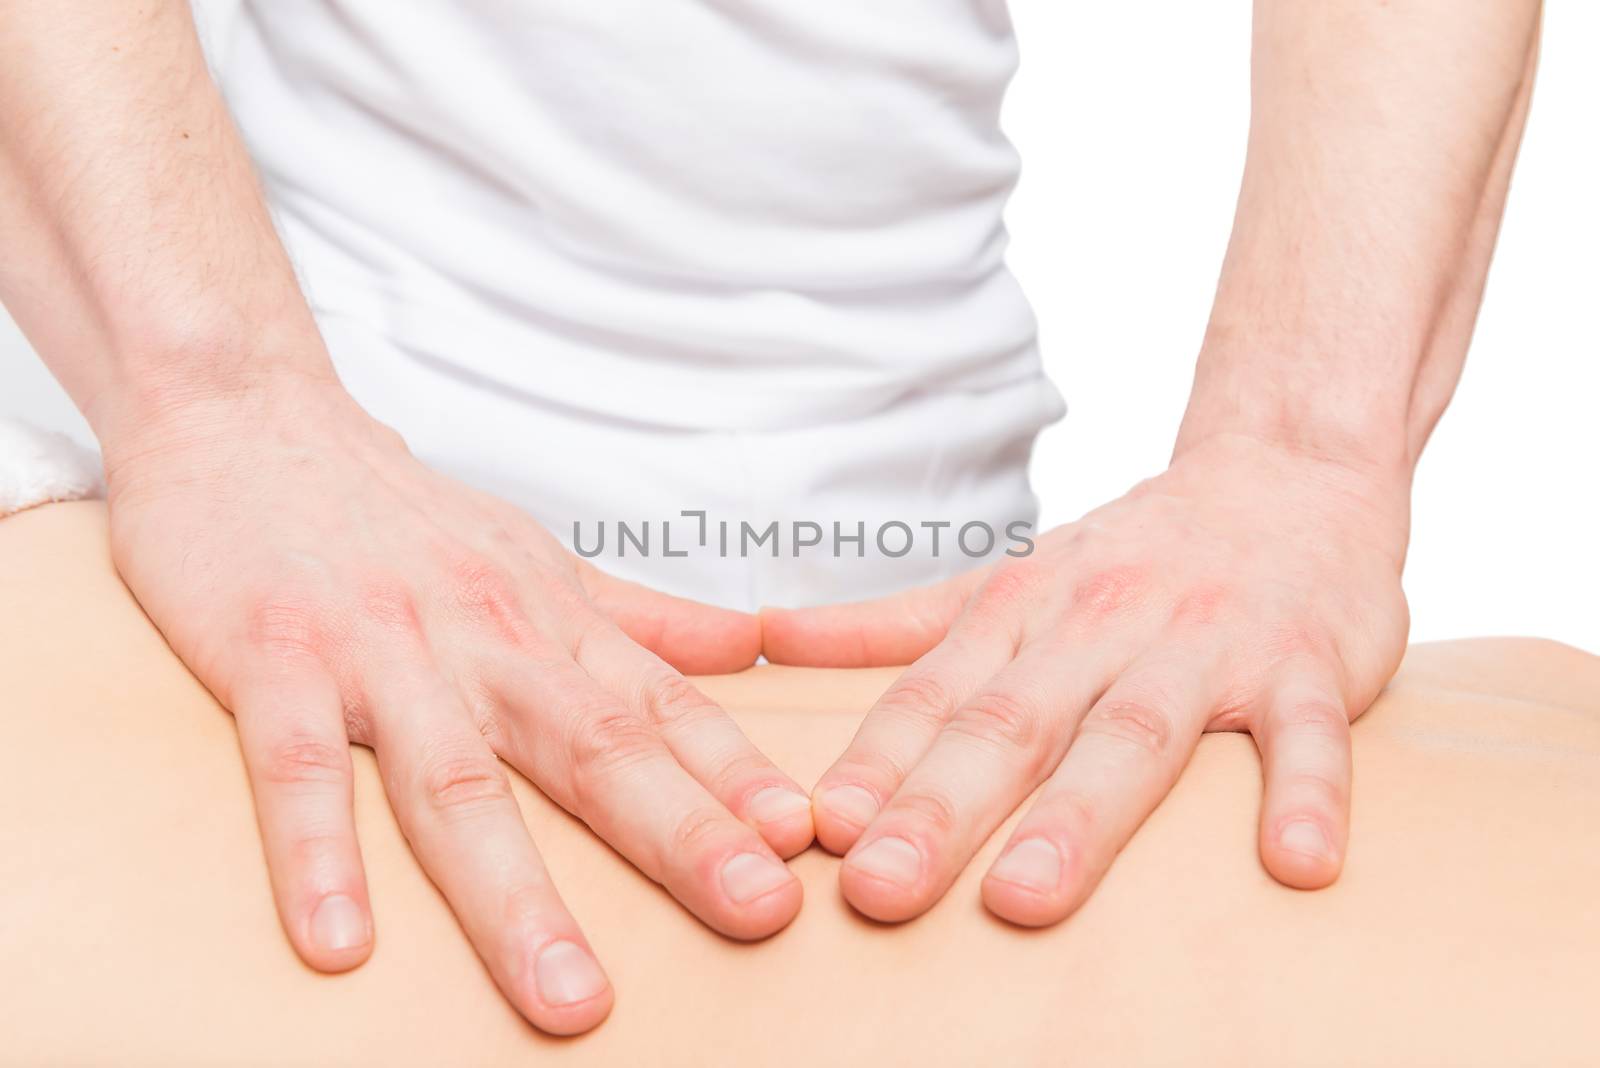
x: 609, y: 767
x: 998, y: 746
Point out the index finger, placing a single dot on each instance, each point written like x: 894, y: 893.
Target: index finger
x: 702, y: 736
x: 1127, y: 754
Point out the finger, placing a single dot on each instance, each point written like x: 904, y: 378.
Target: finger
x: 297, y: 754
x: 887, y: 632
x: 996, y: 748
x: 1304, y: 738
x: 695, y: 638
x: 704, y: 738
x: 1124, y: 758
x: 454, y: 803
x: 900, y: 728
x: 610, y: 768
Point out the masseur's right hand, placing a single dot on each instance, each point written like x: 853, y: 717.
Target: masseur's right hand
x: 330, y: 589
x: 325, y: 585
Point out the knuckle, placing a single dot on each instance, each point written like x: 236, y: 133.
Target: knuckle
x: 301, y: 761
x: 608, y: 739
x: 672, y: 700
x: 1144, y: 725
x: 931, y: 808
x: 390, y: 606
x: 696, y: 831
x: 1110, y: 591
x: 860, y: 765
x: 919, y: 699
x: 481, y: 584
x: 286, y: 630
x: 1201, y: 606
x: 1074, y: 812
x: 1008, y: 588
x: 484, y: 594
x: 735, y: 771
x: 1326, y: 794
x: 312, y: 851
x: 527, y: 906
x: 452, y: 781
x: 1004, y: 719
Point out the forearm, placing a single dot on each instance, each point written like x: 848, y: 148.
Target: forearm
x: 140, y: 258
x: 1381, y: 145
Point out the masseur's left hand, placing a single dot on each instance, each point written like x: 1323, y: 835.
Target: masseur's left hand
x: 1255, y: 585
x: 1247, y: 588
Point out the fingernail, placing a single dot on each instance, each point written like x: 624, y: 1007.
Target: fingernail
x: 567, y: 974
x: 893, y: 859
x: 1303, y: 836
x: 1033, y: 863
x: 853, y: 803
x: 338, y: 923
x: 749, y: 875
x: 776, y: 803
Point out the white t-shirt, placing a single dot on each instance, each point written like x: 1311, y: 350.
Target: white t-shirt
x: 662, y: 216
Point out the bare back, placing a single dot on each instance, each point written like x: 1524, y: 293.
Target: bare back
x: 138, y: 926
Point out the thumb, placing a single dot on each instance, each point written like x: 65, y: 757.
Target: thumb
x: 695, y: 638
x: 885, y: 632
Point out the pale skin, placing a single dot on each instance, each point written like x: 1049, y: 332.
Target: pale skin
x: 1255, y: 584
x: 329, y: 589
x: 1462, y: 932
x: 325, y: 585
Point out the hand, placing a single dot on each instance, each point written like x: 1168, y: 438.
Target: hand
x: 1246, y: 588
x: 330, y: 589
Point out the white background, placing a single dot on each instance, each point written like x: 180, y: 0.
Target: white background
x: 1131, y: 120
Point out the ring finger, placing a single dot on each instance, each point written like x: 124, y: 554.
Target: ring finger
x: 454, y: 803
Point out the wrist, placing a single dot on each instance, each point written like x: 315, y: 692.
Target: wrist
x: 163, y: 384
x: 1367, y: 501
x: 180, y: 423
x: 160, y: 383
x: 1294, y: 402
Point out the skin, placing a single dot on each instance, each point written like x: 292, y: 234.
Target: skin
x: 1255, y: 584
x: 328, y: 589
x: 1100, y: 686
x: 321, y: 582
x: 1464, y: 931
